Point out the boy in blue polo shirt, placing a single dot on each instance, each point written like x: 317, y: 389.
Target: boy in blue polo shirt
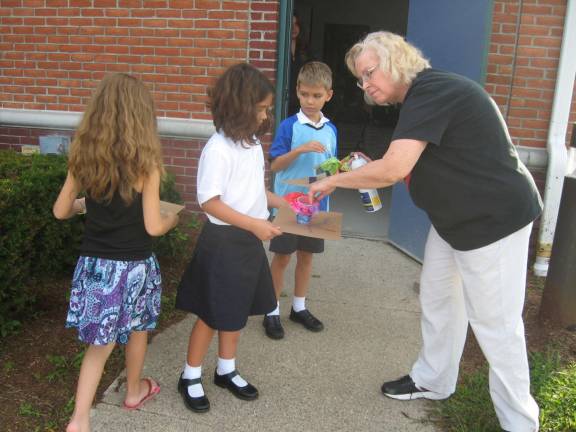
x: 302, y: 142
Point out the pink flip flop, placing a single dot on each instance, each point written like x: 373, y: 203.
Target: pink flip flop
x: 153, y: 390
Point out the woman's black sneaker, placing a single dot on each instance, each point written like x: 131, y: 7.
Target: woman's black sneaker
x: 405, y: 389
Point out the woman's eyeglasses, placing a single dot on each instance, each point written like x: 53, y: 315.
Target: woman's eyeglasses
x: 366, y: 76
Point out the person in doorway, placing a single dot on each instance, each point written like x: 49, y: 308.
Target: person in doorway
x: 452, y: 142
x: 228, y: 277
x: 299, y: 55
x: 302, y: 142
x: 116, y: 159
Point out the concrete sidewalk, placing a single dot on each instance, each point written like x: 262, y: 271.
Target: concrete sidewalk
x: 329, y: 381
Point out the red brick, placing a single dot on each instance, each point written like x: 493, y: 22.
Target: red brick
x: 264, y: 6
x: 194, y: 13
x: 154, y: 22
x: 91, y: 12
x: 235, y: 5
x: 208, y: 4
x: 221, y: 15
x: 168, y: 13
x: 181, y: 4
x: 207, y: 43
x: 204, y: 24
x: 552, y: 21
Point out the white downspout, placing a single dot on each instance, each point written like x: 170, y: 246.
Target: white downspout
x: 556, y: 145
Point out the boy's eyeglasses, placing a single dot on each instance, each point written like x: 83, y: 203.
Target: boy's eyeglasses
x: 366, y: 76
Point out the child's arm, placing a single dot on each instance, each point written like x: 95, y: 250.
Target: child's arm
x: 261, y: 228
x: 66, y: 205
x: 156, y: 223
x: 275, y: 201
x: 282, y: 162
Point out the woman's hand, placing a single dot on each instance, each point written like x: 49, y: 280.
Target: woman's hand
x: 321, y: 188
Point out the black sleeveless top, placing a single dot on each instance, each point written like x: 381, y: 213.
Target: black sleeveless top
x: 116, y: 231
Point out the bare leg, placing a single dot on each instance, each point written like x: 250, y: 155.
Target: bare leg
x: 277, y: 268
x: 135, y: 354
x: 227, y: 344
x: 303, y: 273
x: 199, y: 342
x: 90, y: 374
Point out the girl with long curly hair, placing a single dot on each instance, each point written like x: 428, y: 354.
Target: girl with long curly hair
x: 228, y: 278
x: 116, y: 161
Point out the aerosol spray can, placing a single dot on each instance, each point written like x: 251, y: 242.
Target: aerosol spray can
x: 370, y: 198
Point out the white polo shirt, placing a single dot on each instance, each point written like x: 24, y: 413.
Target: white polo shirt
x: 235, y: 173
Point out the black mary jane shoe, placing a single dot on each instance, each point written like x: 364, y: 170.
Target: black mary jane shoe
x: 197, y: 404
x: 308, y: 320
x: 248, y: 392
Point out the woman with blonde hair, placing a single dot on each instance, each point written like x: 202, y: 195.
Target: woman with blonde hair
x: 115, y: 159
x: 452, y: 147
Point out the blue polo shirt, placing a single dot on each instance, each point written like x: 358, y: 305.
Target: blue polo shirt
x: 293, y: 132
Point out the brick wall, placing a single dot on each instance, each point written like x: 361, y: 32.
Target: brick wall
x: 522, y: 65
x: 53, y: 52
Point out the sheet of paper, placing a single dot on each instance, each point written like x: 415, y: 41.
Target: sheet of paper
x: 325, y: 225
x: 168, y: 207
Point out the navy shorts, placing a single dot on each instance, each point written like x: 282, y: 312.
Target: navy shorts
x: 289, y: 243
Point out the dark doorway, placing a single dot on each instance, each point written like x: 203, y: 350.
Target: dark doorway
x: 329, y: 29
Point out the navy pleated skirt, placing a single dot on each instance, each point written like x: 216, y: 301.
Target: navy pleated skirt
x: 227, y: 279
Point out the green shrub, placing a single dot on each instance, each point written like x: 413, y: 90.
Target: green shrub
x: 32, y: 242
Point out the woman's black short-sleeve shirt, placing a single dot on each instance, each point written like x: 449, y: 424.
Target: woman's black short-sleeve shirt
x: 469, y: 179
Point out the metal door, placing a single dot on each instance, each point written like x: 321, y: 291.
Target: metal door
x: 454, y: 36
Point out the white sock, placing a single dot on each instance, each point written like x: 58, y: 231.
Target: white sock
x: 191, y: 372
x: 225, y: 366
x: 275, y: 311
x: 298, y: 303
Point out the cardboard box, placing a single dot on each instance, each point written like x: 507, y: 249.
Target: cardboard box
x: 305, y: 180
x: 324, y: 225
x: 168, y: 207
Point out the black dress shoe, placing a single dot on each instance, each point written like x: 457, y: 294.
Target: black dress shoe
x: 273, y: 326
x: 248, y: 392
x: 197, y: 404
x: 308, y: 320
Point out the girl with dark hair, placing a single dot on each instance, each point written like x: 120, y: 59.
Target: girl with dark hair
x: 228, y: 277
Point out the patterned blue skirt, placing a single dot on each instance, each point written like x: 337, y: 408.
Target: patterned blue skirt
x: 110, y: 299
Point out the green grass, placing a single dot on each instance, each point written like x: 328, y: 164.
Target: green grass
x: 557, y: 400
x: 553, y: 385
x: 62, y: 365
x: 29, y: 410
